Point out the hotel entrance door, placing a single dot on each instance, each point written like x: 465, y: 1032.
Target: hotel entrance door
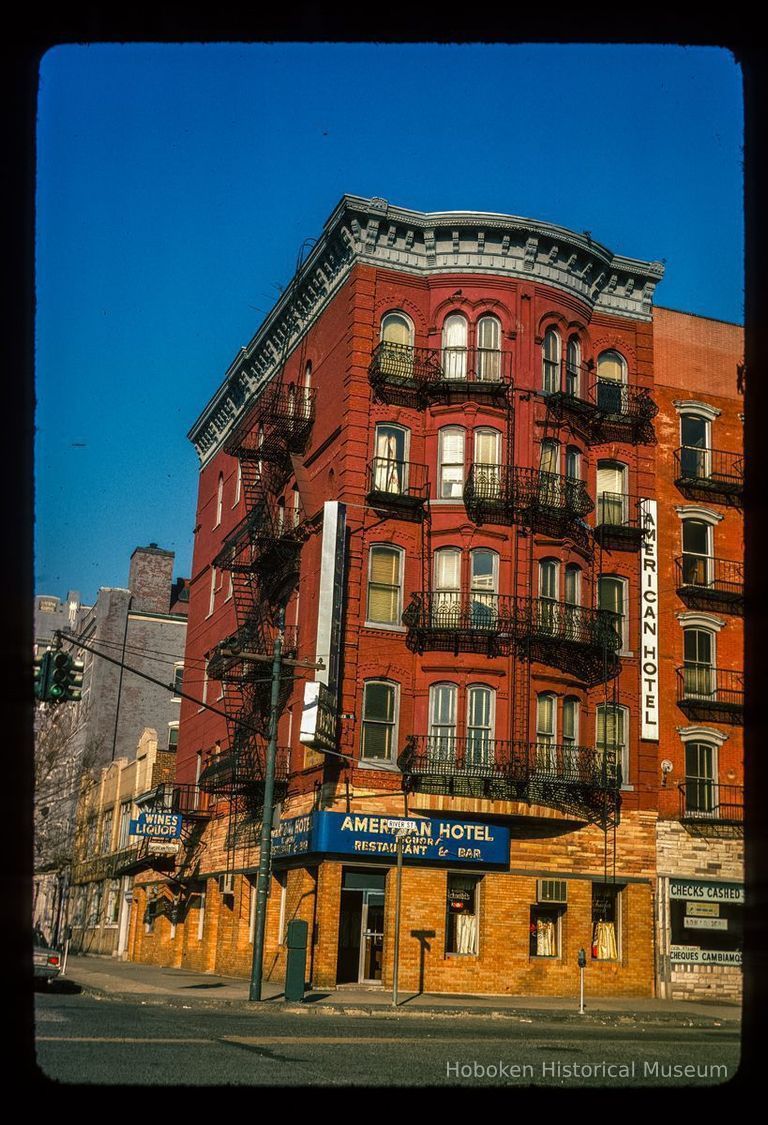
x: 361, y: 927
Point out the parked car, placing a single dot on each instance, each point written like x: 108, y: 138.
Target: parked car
x: 47, y: 961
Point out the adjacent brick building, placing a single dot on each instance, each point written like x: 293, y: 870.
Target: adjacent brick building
x: 141, y: 627
x: 700, y: 477
x: 441, y: 455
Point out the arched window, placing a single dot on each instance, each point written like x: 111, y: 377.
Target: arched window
x: 484, y: 586
x: 385, y: 585
x: 446, y: 597
x: 390, y: 465
x: 572, y: 594
x: 488, y: 349
x: 573, y: 367
x: 238, y: 484
x: 611, y: 743
x: 480, y: 725
x: 396, y: 352
x: 546, y: 732
x: 611, y: 378
x: 451, y: 458
x: 550, y: 362
x: 441, y: 741
x: 550, y: 494
x: 455, y: 347
x: 307, y: 387
x: 487, y: 461
x: 570, y: 736
x: 219, y: 499
x: 695, y: 445
x: 378, y: 741
x: 612, y: 500
x: 549, y: 570
x: 701, y: 797
x: 697, y: 552
x: 573, y: 462
x: 612, y: 596
x: 396, y: 328
x: 699, y: 663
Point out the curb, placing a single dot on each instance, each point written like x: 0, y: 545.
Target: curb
x: 326, y: 1008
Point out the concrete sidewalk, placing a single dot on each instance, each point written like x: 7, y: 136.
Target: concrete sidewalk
x: 160, y: 984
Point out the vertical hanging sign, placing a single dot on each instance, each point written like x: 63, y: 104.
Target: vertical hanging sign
x: 649, y: 623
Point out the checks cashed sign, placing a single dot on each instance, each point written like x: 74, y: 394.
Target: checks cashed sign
x: 649, y: 624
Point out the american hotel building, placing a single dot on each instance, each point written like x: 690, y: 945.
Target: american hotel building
x: 438, y: 456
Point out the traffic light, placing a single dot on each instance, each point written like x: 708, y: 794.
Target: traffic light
x: 75, y: 680
x: 42, y: 672
x: 58, y: 678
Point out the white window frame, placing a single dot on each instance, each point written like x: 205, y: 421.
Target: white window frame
x: 573, y: 453
x: 623, y: 747
x: 238, y: 484
x: 624, y: 623
x: 570, y: 364
x: 382, y: 476
x: 173, y: 726
x: 381, y: 763
x: 571, y: 740
x: 442, y: 464
x: 219, y: 499
x: 454, y: 357
x: 369, y: 621
x: 487, y: 743
x: 178, y: 666
x: 546, y: 741
x: 396, y: 314
x: 488, y: 363
x: 212, y: 593
x: 548, y: 362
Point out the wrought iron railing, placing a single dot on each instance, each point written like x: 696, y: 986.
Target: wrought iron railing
x: 709, y: 471
x: 168, y: 796
x: 430, y: 373
x: 702, y: 580
x: 241, y: 769
x: 704, y: 799
x: 581, y: 779
x: 280, y: 421
x: 618, y: 520
x: 607, y: 406
x: 229, y: 661
x: 393, y: 483
x: 706, y: 691
x: 553, y: 621
x: 539, y: 491
x: 489, y: 493
x: 455, y: 619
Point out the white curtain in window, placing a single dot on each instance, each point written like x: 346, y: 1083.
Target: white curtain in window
x: 545, y: 938
x: 466, y: 933
x: 388, y: 464
x: 604, y: 941
x: 455, y: 347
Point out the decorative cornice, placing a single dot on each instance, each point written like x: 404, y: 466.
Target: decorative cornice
x: 693, y: 734
x: 371, y: 231
x: 692, y: 407
x: 696, y: 511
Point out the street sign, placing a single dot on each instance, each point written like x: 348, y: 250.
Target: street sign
x: 163, y: 825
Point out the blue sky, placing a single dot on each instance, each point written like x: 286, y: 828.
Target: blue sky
x: 176, y: 184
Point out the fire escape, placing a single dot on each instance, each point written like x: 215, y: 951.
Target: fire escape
x: 262, y: 556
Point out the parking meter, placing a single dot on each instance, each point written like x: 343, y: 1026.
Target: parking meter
x: 582, y: 959
x: 582, y: 967
x: 295, y: 970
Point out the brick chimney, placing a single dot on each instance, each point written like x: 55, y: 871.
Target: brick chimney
x: 149, y: 579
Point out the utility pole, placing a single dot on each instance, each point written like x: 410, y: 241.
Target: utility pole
x: 265, y: 850
x: 402, y: 834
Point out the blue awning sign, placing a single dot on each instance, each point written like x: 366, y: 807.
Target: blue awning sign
x: 428, y: 839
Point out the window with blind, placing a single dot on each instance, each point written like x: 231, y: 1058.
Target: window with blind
x: 446, y: 597
x: 451, y: 456
x: 397, y: 329
x: 612, y: 504
x: 545, y: 731
x: 487, y: 461
x: 611, y: 374
x: 379, y: 726
x: 480, y: 724
x: 570, y: 721
x: 611, y: 722
x: 699, y: 663
x: 385, y: 585
x: 442, y: 722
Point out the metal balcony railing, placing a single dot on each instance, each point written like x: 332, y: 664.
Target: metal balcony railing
x: 550, y: 494
x: 241, y: 770
x: 229, y: 661
x: 397, y: 484
x: 619, y: 520
x: 604, y: 408
x: 459, y: 621
x: 704, y: 799
x: 704, y: 691
x: 168, y: 796
x: 280, y: 421
x: 549, y: 620
x: 703, y: 581
x: 560, y: 775
x: 416, y: 376
x: 709, y: 472
x: 489, y: 493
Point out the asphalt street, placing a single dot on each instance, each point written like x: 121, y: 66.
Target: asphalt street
x: 86, y: 1038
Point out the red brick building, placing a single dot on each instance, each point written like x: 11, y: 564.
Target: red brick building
x: 699, y: 479
x: 438, y: 455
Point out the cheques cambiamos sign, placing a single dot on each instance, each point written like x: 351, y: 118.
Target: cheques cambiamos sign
x: 649, y: 623
x: 375, y: 837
